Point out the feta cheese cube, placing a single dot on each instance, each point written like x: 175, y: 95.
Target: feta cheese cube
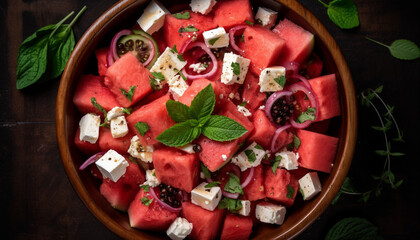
x: 202, y: 6
x: 288, y: 160
x: 244, y: 111
x: 153, y: 17
x: 112, y: 165
x: 272, y: 79
x: 114, y: 112
x: 177, y: 86
x: 270, y: 213
x: 138, y: 151
x: 151, y: 178
x: 189, y: 148
x: 198, y: 67
x: 234, y: 69
x: 168, y: 64
x: 119, y: 127
x: 246, y: 208
x: 266, y: 17
x: 207, y: 198
x: 309, y: 185
x: 89, y: 128
x: 250, y: 157
x: 216, y: 38
x: 179, y: 229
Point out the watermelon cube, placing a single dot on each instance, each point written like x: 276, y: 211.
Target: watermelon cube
x: 215, y: 154
x: 125, y: 73
x: 85, y: 146
x: 255, y: 189
x: 101, y: 56
x: 206, y: 224
x: 251, y: 93
x: 236, y: 227
x: 120, y: 194
x: 107, y: 142
x: 262, y: 47
x: 152, y: 217
x: 299, y: 42
x: 170, y: 163
x: 325, y: 89
x: 155, y: 116
x: 280, y: 186
x: 222, y: 174
x: 317, y: 151
x: 228, y: 13
x: 174, y: 28
x: 91, y: 86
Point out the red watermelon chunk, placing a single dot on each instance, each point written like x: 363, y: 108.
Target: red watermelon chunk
x: 280, y: 186
x: 120, y: 194
x: 325, y: 89
x: 107, y: 142
x: 171, y: 29
x: 236, y: 227
x: 312, y: 68
x: 228, y: 13
x: 262, y: 47
x: 101, y: 54
x: 316, y: 151
x: 299, y: 42
x: 198, y: 85
x: 155, y: 115
x: 153, y: 217
x: 255, y: 189
x: 171, y: 163
x: 251, y: 93
x: 91, y: 86
x: 212, y: 151
x: 206, y: 224
x: 84, y: 146
x: 126, y: 72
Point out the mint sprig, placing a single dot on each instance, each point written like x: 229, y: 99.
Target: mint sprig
x: 196, y: 119
x: 401, y: 48
x: 343, y: 13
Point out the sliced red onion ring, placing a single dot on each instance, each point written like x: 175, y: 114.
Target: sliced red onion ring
x: 248, y: 178
x: 109, y: 59
x: 276, y: 135
x: 212, y: 57
x: 312, y: 98
x: 230, y: 195
x: 292, y: 71
x: 152, y: 53
x: 91, y: 160
x: 113, y: 47
x: 272, y: 99
x: 163, y: 204
x: 232, y: 32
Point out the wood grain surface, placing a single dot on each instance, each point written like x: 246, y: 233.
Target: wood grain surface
x: 39, y: 202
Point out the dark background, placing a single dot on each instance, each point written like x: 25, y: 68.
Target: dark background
x: 38, y: 201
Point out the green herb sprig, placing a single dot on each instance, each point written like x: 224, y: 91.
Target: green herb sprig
x: 401, y: 48
x: 43, y: 55
x: 353, y: 228
x: 343, y: 13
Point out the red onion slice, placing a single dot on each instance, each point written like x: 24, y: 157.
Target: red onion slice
x: 312, y: 98
x: 272, y: 99
x: 248, y: 178
x: 113, y: 47
x: 212, y: 57
x: 232, y: 32
x: 91, y: 160
x: 152, y: 53
x: 163, y: 204
x: 230, y: 195
x: 276, y: 135
x: 109, y: 59
x: 292, y: 71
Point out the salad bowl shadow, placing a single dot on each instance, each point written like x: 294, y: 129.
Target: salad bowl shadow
x: 123, y: 14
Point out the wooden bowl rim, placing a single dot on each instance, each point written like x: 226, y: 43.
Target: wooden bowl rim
x: 347, y: 142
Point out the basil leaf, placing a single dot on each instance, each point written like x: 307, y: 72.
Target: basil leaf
x: 233, y: 185
x: 221, y: 128
x: 230, y: 204
x: 203, y: 103
x: 280, y: 80
x: 130, y: 93
x: 184, y: 15
x: 142, y: 127
x: 236, y: 68
x: 180, y: 134
x: 343, y: 13
x: 402, y: 49
x: 353, y: 228
x: 212, y: 184
x: 309, y: 114
x: 250, y: 155
x: 178, y: 111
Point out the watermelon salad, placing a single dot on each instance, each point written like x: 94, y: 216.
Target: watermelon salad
x: 207, y: 122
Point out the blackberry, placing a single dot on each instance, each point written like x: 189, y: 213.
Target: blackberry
x: 281, y: 111
x: 169, y: 195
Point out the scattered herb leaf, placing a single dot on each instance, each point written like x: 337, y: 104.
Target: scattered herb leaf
x: 145, y: 188
x: 343, y: 13
x: 280, y: 80
x: 142, y: 127
x: 250, y: 155
x: 275, y: 163
x: 188, y: 28
x: 205, y: 171
x: 130, y: 93
x: 146, y: 201
x: 290, y: 192
x: 213, y: 40
x: 236, y: 68
x: 309, y: 114
x: 184, y: 15
x: 296, y: 142
x: 402, y: 49
x: 353, y: 228
x: 230, y: 204
x: 233, y: 185
x: 212, y: 184
x: 249, y: 23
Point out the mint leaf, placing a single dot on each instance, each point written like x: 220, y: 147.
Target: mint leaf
x: 184, y: 15
x: 142, y: 127
x: 250, y: 155
x: 146, y: 201
x: 343, y: 13
x: 130, y: 93
x: 233, y: 185
x: 213, y: 40
x: 180, y: 134
x: 212, y: 184
x: 296, y: 142
x: 249, y: 23
x: 402, y: 49
x: 353, y: 228
x: 178, y: 111
x: 280, y: 80
x: 145, y: 188
x: 236, y: 68
x: 221, y: 128
x: 188, y: 28
x: 158, y: 75
x: 203, y: 103
x: 309, y: 114
x: 230, y: 204
x: 275, y: 163
x: 205, y: 171
x: 98, y: 106
x: 290, y: 192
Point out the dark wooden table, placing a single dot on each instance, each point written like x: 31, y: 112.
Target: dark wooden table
x: 38, y: 201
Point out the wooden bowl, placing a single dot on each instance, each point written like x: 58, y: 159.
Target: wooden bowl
x: 124, y: 14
